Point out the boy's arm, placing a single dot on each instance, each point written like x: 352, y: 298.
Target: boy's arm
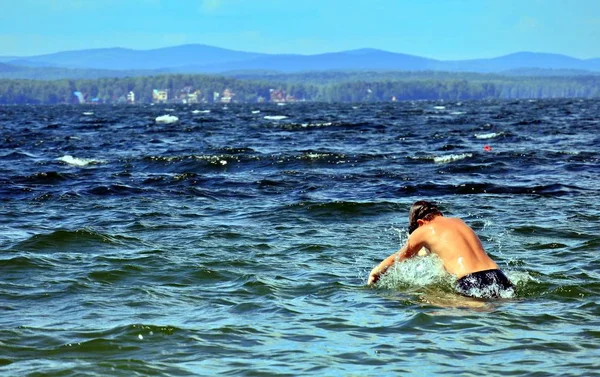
x: 382, y: 267
x: 409, y: 250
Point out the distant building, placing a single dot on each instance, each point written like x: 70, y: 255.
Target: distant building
x: 79, y: 96
x: 189, y: 95
x: 227, y: 96
x: 160, y: 95
x: 194, y: 97
x: 131, y: 97
x: 277, y: 95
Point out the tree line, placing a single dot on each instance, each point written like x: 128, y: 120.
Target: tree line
x: 311, y: 86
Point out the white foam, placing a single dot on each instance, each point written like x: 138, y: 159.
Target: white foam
x: 88, y: 113
x: 451, y: 158
x: 76, y: 161
x: 255, y: 111
x: 440, y: 107
x: 167, y: 119
x: 490, y: 135
x: 326, y: 124
x: 416, y: 272
x: 317, y: 155
x: 275, y: 117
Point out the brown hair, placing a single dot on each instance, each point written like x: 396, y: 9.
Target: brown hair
x: 421, y: 210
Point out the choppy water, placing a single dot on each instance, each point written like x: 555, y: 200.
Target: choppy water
x: 237, y: 241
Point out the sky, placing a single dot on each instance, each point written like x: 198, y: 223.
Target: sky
x: 439, y: 29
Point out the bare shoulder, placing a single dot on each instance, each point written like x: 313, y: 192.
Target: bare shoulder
x: 448, y: 222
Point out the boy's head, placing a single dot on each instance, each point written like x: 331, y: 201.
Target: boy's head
x: 421, y: 210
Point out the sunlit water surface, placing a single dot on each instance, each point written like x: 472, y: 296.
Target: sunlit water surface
x: 238, y: 240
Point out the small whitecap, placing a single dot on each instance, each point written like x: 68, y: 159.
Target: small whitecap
x: 275, y: 117
x: 255, y: 111
x: 440, y: 107
x: 76, y: 161
x: 167, y: 119
x: 451, y: 158
x: 88, y: 113
x: 490, y: 135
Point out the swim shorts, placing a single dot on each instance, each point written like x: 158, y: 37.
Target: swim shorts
x: 485, y: 284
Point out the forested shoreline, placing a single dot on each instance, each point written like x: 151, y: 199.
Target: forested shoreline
x: 309, y: 86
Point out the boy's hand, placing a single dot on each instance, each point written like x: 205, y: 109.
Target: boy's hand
x: 373, y: 276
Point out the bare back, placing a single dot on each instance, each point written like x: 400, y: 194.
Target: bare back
x: 455, y: 243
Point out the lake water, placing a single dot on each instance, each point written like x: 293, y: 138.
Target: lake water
x: 238, y: 240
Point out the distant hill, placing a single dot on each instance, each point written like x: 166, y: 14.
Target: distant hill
x: 128, y: 59
x: 521, y: 60
x: 197, y: 58
x: 365, y: 59
x: 8, y: 68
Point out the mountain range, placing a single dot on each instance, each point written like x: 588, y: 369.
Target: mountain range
x: 197, y: 58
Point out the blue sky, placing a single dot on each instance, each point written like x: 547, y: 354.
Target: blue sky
x: 441, y: 29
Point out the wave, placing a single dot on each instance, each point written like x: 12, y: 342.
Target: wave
x: 49, y: 177
x: 25, y: 262
x: 490, y: 135
x: 431, y: 189
x: 275, y: 117
x: 17, y: 155
x: 167, y: 119
x: 74, y: 240
x: 451, y: 158
x: 116, y: 189
x: 348, y: 207
x: 68, y: 159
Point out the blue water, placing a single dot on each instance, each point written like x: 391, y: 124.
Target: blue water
x: 227, y: 243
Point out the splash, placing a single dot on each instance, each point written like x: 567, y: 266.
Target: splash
x: 416, y: 272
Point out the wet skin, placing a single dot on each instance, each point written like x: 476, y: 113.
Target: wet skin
x: 451, y: 239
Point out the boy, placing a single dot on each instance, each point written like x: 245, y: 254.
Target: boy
x: 458, y: 247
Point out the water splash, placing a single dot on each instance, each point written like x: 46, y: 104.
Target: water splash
x: 416, y: 272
